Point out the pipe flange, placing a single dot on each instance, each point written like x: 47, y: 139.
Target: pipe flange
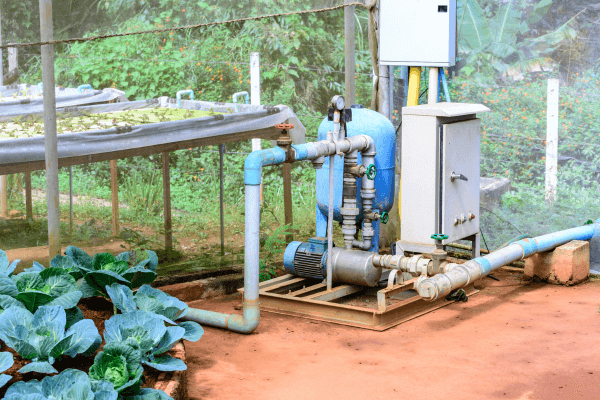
x: 413, y: 267
x: 368, y: 232
x: 349, y: 211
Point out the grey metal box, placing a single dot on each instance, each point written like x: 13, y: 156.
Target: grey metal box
x: 429, y: 195
x: 417, y: 32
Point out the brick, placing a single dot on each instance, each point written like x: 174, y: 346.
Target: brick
x: 568, y: 264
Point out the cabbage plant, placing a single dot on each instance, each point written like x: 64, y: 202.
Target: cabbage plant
x: 67, y: 264
x: 153, y: 338
x: 6, y: 361
x: 71, y: 384
x: 41, y: 337
x: 39, y: 286
x: 120, y: 364
x: 104, y: 269
x: 147, y: 298
x: 6, y: 268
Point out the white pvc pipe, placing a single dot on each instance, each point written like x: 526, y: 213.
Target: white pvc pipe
x: 432, y: 91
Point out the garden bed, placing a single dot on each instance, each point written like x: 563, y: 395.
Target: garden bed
x: 99, y: 310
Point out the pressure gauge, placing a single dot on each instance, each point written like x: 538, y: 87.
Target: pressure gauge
x: 338, y: 102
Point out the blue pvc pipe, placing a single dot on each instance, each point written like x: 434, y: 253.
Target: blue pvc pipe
x: 81, y: 88
x: 258, y: 159
x: 182, y: 92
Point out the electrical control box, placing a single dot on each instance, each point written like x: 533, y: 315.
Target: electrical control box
x: 440, y: 174
x: 417, y: 32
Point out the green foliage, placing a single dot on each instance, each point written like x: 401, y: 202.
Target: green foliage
x: 104, y: 269
x: 70, y: 384
x: 147, y: 331
x: 489, y: 40
x: 45, y: 286
x: 272, y: 245
x: 41, y: 337
x: 6, y: 361
x: 120, y: 364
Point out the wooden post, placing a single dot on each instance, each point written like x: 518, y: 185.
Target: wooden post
x: 552, y: 141
x: 28, y: 197
x: 4, y: 195
x: 221, y: 199
x: 167, y: 201
x: 350, y: 71
x: 287, y: 198
x: 114, y: 188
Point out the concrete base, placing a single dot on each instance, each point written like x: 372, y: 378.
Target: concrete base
x: 568, y: 264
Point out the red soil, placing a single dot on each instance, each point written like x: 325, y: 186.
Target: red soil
x: 512, y: 340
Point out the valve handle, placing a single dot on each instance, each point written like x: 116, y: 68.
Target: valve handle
x: 371, y: 172
x: 439, y: 236
x: 385, y: 217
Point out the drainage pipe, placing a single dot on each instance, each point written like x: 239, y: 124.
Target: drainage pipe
x: 248, y: 321
x: 456, y: 276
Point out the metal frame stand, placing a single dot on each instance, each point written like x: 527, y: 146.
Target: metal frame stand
x: 358, y: 306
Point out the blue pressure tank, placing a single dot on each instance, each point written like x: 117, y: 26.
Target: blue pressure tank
x: 375, y: 125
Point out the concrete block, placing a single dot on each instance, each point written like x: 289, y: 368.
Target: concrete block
x: 491, y: 190
x: 568, y: 264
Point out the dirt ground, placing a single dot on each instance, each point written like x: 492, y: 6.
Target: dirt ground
x: 512, y: 340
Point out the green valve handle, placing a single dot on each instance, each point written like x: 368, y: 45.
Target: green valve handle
x: 589, y: 222
x: 385, y: 217
x: 371, y: 172
x: 439, y: 236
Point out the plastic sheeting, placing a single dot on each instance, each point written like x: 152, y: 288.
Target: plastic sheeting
x: 33, y: 103
x: 251, y: 118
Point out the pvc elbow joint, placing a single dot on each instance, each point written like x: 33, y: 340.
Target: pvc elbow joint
x: 257, y: 159
x: 248, y: 321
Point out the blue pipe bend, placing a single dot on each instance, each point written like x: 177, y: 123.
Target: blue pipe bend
x: 258, y: 159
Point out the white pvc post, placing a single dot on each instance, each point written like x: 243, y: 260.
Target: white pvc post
x: 255, y: 90
x: 552, y: 141
x: 432, y: 91
x: 255, y: 99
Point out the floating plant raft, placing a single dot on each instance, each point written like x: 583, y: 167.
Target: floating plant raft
x: 33, y: 125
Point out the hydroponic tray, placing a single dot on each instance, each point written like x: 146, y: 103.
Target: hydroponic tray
x: 153, y: 128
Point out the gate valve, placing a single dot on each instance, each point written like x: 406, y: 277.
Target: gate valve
x: 384, y: 217
x: 371, y: 172
x: 439, y: 254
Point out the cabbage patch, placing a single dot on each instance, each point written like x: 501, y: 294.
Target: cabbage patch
x: 67, y: 264
x: 120, y: 364
x: 41, y: 337
x: 104, y: 269
x: 147, y: 298
x: 151, y: 336
x: 6, y: 361
x: 37, y: 287
x: 6, y: 268
x: 71, y: 384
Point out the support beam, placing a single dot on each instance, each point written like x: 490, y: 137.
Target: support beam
x: 51, y: 156
x: 432, y: 89
x: 114, y: 189
x: 221, y: 200
x: 552, y: 141
x: 13, y: 66
x: 28, y: 197
x: 4, y: 196
x: 167, y: 201
x: 287, y: 199
x: 349, y: 46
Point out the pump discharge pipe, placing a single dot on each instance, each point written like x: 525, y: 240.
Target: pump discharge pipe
x: 315, y: 152
x: 456, y: 276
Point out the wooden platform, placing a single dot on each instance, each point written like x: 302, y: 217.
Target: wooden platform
x: 352, y: 305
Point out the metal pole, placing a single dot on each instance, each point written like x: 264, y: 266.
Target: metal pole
x: 71, y: 203
x: 221, y: 151
x: 330, y: 223
x: 350, y: 92
x: 167, y: 201
x: 384, y: 91
x: 50, y: 139
x: 114, y: 189
x: 28, y: 198
x: 552, y: 141
x: 255, y: 99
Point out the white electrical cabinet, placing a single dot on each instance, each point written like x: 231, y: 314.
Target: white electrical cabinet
x: 417, y: 32
x: 440, y: 175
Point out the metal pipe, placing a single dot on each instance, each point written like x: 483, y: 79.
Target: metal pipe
x: 330, y: 223
x: 253, y: 165
x: 456, y: 276
x: 50, y: 138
